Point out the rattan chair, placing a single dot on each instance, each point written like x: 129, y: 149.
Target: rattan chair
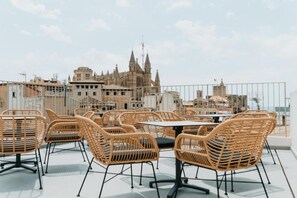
x: 235, y: 144
x: 117, y: 148
x: 20, y: 135
x: 53, y: 116
x: 23, y: 112
x: 64, y: 131
x: 260, y: 113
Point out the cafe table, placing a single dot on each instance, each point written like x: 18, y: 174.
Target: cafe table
x: 178, y: 127
x: 215, y: 117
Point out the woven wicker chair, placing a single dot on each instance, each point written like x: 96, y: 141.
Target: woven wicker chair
x: 53, y: 116
x: 64, y: 131
x: 20, y: 135
x: 21, y: 112
x: 117, y: 147
x: 235, y: 144
x: 260, y: 113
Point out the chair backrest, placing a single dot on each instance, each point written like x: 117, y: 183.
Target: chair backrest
x: 133, y: 119
x: 116, y: 146
x: 109, y: 118
x: 271, y: 113
x: 21, y: 133
x: 51, y: 115
x: 21, y: 112
x: 169, y: 116
x: 238, y: 143
x: 185, y: 112
x: 250, y: 115
x: 89, y: 114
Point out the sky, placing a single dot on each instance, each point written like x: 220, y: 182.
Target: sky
x: 188, y: 41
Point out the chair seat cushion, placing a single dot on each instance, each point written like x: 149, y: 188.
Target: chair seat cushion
x: 165, y: 142
x: 62, y: 137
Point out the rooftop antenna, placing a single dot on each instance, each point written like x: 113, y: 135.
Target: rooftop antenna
x: 25, y: 75
x: 142, y: 55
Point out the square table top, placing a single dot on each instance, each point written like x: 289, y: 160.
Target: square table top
x: 178, y: 123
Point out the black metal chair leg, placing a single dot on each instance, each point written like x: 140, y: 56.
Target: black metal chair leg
x: 38, y: 171
x: 265, y: 171
x: 269, y: 150
x: 78, y: 194
x: 232, y: 189
x: 155, y: 179
x: 197, y: 172
x: 262, y: 181
x: 48, y: 154
x: 103, y: 181
x: 46, y: 150
x: 140, y: 179
x: 81, y: 150
x: 225, y: 175
x: 40, y: 160
x: 131, y: 176
x: 217, y: 181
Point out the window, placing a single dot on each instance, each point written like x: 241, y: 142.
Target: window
x: 87, y: 86
x: 77, y: 86
x: 123, y: 93
x: 86, y: 93
x: 91, y: 87
x: 79, y: 93
x: 13, y: 95
x: 114, y: 93
x: 96, y: 86
x: 88, y: 76
x: 94, y: 93
x: 107, y: 93
x: 82, y: 86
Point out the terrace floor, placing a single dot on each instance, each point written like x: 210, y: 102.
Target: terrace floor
x: 67, y: 169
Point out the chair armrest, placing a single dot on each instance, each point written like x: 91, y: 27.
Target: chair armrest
x: 114, y: 130
x: 129, y: 128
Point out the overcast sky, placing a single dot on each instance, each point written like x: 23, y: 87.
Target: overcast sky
x: 188, y: 41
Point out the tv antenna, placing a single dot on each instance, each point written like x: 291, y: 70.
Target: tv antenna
x: 25, y: 75
x: 142, y: 55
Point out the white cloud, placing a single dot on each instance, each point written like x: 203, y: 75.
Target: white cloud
x: 229, y: 15
x: 123, y: 3
x: 175, y: 5
x: 56, y: 33
x: 269, y: 4
x: 25, y: 32
x: 34, y: 8
x: 99, y: 23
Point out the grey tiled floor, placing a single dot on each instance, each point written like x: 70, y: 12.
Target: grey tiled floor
x: 67, y: 169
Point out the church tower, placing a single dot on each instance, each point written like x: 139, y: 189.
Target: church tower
x: 147, y: 75
x: 157, y: 83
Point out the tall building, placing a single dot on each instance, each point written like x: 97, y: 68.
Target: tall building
x: 134, y: 78
x: 120, y: 90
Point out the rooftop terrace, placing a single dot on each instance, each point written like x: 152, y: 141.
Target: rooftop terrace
x: 67, y: 169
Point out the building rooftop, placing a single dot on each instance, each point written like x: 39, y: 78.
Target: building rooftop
x: 67, y: 169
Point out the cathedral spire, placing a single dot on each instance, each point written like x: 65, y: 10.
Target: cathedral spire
x: 157, y: 79
x: 147, y: 65
x: 132, y: 62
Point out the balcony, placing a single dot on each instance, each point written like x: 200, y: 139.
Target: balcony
x: 67, y: 169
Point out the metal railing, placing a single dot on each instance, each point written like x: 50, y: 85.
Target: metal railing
x: 203, y: 98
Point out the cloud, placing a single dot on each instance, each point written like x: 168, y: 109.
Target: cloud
x: 55, y: 33
x: 229, y: 15
x: 269, y: 4
x: 34, y: 8
x: 99, y: 23
x: 123, y: 3
x: 206, y: 39
x: 175, y: 5
x: 25, y: 32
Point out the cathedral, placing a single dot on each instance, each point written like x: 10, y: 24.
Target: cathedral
x: 135, y: 78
